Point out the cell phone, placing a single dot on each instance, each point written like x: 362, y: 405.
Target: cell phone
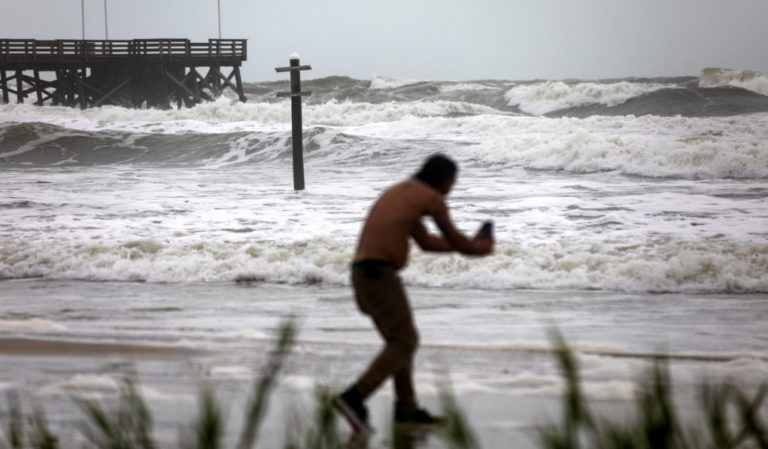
x: 487, y: 229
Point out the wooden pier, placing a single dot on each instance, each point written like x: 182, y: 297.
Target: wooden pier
x: 139, y: 73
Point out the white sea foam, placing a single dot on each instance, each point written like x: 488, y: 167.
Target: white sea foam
x: 746, y: 79
x: 232, y: 371
x: 614, y: 361
x: 668, y: 266
x: 210, y: 224
x: 458, y: 87
x: 223, y: 116
x: 350, y: 114
x: 250, y: 334
x: 581, y: 150
x: 549, y: 96
x: 33, y: 325
x: 95, y: 386
x: 698, y: 148
x: 90, y: 384
x: 745, y: 368
x: 523, y: 383
x: 298, y: 383
x: 651, y: 146
x: 381, y: 82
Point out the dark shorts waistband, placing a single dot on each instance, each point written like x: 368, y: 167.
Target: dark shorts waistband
x: 368, y: 264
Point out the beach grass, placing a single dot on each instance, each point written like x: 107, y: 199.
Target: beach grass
x: 457, y: 432
x: 730, y: 417
x: 207, y: 431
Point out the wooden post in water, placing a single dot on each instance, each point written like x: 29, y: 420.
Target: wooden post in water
x: 296, y: 126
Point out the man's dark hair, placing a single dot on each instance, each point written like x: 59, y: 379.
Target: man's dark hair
x: 437, y: 170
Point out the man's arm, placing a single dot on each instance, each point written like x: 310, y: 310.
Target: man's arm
x: 479, y: 246
x: 430, y: 242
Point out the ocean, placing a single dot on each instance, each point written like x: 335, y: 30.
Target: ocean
x: 630, y: 214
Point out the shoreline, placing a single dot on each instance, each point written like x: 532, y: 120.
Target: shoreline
x: 48, y: 347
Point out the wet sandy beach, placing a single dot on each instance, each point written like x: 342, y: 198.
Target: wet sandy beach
x: 59, y: 338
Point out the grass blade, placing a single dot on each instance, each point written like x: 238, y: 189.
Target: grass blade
x: 264, y: 383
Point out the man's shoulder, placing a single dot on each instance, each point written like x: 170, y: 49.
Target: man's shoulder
x: 430, y: 199
x: 416, y: 187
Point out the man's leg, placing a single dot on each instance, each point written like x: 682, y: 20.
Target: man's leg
x: 405, y: 395
x: 379, y: 294
x: 385, y: 301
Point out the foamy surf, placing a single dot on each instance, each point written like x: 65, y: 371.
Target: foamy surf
x: 203, y: 195
x: 679, y: 147
x: 745, y: 79
x: 383, y: 82
x: 223, y: 115
x: 549, y: 96
x: 671, y: 266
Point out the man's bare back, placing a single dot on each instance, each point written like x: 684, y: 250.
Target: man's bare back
x: 396, y: 217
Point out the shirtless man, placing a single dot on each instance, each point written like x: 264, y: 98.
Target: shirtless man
x: 381, y: 253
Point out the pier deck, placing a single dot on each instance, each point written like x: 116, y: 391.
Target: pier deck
x: 132, y: 73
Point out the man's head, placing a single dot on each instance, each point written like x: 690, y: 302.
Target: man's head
x: 439, y: 172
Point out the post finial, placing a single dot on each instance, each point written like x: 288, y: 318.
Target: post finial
x: 294, y: 56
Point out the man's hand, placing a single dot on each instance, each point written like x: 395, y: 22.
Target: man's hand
x: 483, y: 243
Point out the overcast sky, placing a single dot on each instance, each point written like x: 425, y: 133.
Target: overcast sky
x: 434, y: 39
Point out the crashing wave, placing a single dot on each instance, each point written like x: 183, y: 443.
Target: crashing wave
x: 661, y: 266
x: 224, y: 116
x: 459, y: 87
x: 381, y: 82
x: 745, y: 79
x: 673, y: 147
x: 584, y: 150
x: 549, y: 96
x: 652, y: 146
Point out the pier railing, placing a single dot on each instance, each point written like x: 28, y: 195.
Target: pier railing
x: 15, y: 50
